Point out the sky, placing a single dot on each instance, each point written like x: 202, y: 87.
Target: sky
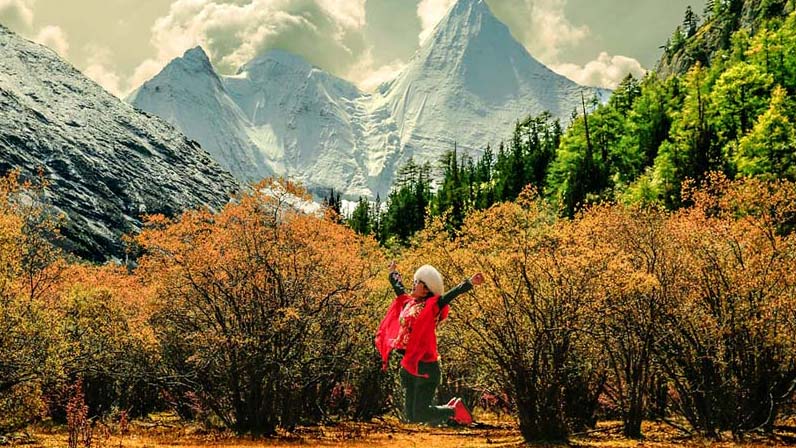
x: 122, y: 43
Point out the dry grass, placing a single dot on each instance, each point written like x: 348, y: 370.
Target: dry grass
x: 164, y: 431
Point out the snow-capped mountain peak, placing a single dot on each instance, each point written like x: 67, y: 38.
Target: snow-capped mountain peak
x: 196, y: 57
x: 189, y: 94
x: 192, y: 72
x: 471, y: 72
x: 468, y: 84
x: 464, y: 19
x: 470, y: 40
x: 194, y: 64
x: 275, y: 57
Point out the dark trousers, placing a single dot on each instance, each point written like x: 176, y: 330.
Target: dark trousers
x: 420, y: 395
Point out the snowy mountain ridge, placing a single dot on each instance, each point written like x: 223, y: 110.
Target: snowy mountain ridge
x: 468, y: 84
x: 106, y: 163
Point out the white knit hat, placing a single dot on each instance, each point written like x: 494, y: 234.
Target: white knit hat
x: 432, y: 278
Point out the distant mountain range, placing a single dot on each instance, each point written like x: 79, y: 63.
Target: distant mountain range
x: 467, y: 85
x: 107, y: 163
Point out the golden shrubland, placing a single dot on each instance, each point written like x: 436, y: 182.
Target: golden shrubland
x: 260, y: 318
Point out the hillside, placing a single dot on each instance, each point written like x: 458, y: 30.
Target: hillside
x: 701, y: 39
x: 106, y: 163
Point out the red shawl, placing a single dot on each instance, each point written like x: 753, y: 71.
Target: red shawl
x: 422, y: 345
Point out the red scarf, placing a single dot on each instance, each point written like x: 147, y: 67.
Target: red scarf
x: 422, y: 343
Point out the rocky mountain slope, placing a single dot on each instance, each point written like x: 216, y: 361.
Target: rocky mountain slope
x: 107, y: 164
x: 713, y: 34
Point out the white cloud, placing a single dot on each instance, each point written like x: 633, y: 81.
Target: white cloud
x: 54, y: 37
x: 605, y: 71
x: 549, y: 30
x: 143, y: 73
x: 367, y: 76
x: 17, y: 14
x: 430, y: 13
x: 105, y: 77
x: 98, y: 70
x: 349, y: 13
x: 232, y: 34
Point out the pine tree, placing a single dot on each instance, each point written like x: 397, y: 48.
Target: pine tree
x: 709, y: 10
x: 625, y: 94
x: 738, y: 97
x: 468, y: 177
x: 407, y: 203
x: 483, y: 180
x: 517, y: 178
x: 360, y: 219
x: 648, y: 123
x: 677, y: 40
x: 690, y: 22
x: 334, y: 203
x: 501, y: 174
x: 544, y: 136
x: 451, y: 198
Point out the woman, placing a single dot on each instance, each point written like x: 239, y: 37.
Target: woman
x: 409, y: 328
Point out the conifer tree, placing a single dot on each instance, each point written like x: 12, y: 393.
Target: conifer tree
x: 768, y: 150
x: 360, y: 220
x: 739, y: 96
x: 625, y: 94
x: 677, y: 40
x: 501, y: 174
x: 452, y: 199
x: 690, y: 22
x: 709, y: 9
x: 483, y: 180
x: 376, y: 218
x: 334, y: 202
x: 407, y: 203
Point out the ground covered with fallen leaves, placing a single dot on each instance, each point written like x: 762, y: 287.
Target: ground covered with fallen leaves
x: 163, y: 431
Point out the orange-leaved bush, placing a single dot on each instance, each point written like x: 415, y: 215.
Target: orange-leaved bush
x: 29, y: 270
x: 111, y: 349
x: 728, y: 340
x: 259, y: 308
x: 528, y: 325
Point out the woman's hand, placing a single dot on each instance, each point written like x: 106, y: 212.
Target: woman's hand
x: 393, y: 267
x: 477, y: 279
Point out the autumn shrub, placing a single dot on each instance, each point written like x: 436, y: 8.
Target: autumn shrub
x: 111, y: 347
x: 642, y: 270
x: 528, y: 325
x: 260, y: 310
x: 28, y: 346
x: 375, y: 392
x: 29, y: 269
x: 628, y: 307
x: 20, y: 405
x: 728, y: 343
x: 78, y: 422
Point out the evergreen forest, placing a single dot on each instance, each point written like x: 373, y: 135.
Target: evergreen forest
x: 731, y: 112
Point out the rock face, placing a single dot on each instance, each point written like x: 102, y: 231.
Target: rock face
x: 468, y: 84
x: 107, y: 164
x: 714, y: 35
